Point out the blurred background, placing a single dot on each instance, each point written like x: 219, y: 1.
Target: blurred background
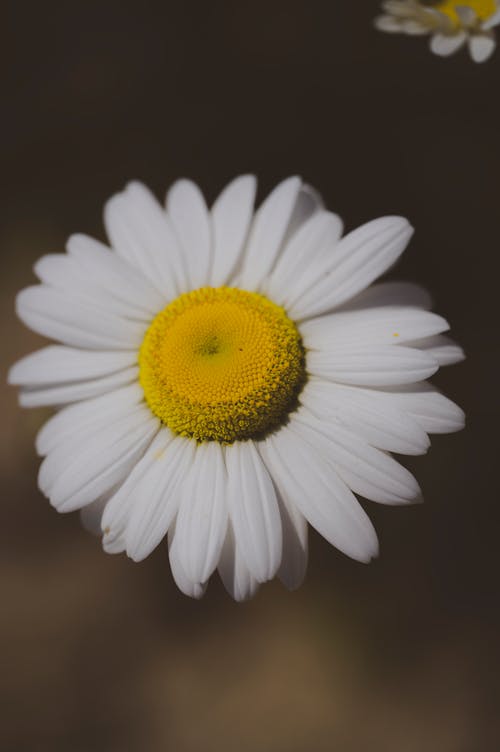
x: 399, y: 656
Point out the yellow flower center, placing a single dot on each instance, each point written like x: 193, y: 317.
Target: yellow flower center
x: 483, y: 8
x: 222, y: 364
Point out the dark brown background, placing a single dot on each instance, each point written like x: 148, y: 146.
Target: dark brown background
x: 400, y: 656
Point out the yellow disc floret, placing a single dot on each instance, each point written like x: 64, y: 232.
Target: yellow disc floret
x: 222, y: 364
x: 482, y: 8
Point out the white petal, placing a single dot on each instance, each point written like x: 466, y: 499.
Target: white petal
x: 253, y: 510
x: 234, y: 573
x: 388, y: 23
x: 295, y: 546
x: 358, y: 259
x: 466, y: 15
x: 481, y: 46
x: 431, y: 409
x: 119, y: 508
x: 442, y: 348
x: 389, y: 294
x: 307, y: 204
x: 55, y: 364
x: 71, y: 422
x: 268, y: 232
x: 157, y: 498
x: 310, y: 482
x: 378, y: 365
x: 231, y: 216
x: 314, y: 239
x: 77, y: 479
x: 492, y: 21
x: 367, y: 413
x: 58, y: 315
x: 446, y: 44
x: 367, y: 471
x: 384, y: 325
x: 202, y: 518
x: 183, y: 582
x: 116, y: 277
x: 91, y: 515
x: 61, y: 394
x: 190, y: 219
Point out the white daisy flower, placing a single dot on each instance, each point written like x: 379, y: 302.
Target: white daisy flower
x: 225, y: 377
x: 451, y: 24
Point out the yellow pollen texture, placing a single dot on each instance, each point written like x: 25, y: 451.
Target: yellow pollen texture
x: 222, y: 364
x: 483, y: 8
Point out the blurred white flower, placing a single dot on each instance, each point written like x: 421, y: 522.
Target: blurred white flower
x: 451, y: 24
x: 234, y: 377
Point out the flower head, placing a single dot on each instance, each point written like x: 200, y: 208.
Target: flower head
x: 225, y: 377
x: 450, y: 24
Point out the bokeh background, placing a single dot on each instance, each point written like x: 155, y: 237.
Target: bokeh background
x: 398, y: 656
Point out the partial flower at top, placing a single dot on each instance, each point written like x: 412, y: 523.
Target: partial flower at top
x: 450, y: 24
x: 226, y: 376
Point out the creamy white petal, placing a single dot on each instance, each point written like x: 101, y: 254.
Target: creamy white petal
x: 71, y: 422
x: 234, y: 573
x: 56, y: 364
x: 367, y: 413
x: 446, y: 44
x: 91, y: 515
x: 366, y: 470
x: 158, y: 496
x: 425, y: 403
x: 389, y: 294
x: 119, y: 508
x: 231, y: 217
x: 190, y: 219
x: 312, y: 241
x: 202, y: 518
x: 310, y: 482
x: 61, y: 394
x: 268, y: 232
x: 355, y: 262
x: 253, y: 510
x: 492, y: 21
x: 388, y: 23
x: 384, y: 325
x: 378, y: 365
x: 58, y: 315
x: 98, y: 464
x: 481, y: 46
x: 183, y: 582
x: 442, y: 348
x: 116, y: 277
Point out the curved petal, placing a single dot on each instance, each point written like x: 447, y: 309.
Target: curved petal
x: 310, y: 483
x: 446, y: 44
x: 445, y: 351
x: 481, y: 46
x: 58, y: 315
x: 190, y: 219
x: 253, y: 510
x: 61, y: 394
x: 378, y: 365
x: 425, y: 404
x: 355, y: 262
x: 235, y: 575
x: 202, y: 517
x: 231, y: 217
x: 389, y: 294
x: 55, y: 364
x: 183, y: 582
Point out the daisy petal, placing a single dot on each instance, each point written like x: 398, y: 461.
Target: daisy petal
x: 295, y: 545
x: 310, y: 482
x: 98, y: 464
x: 379, y: 365
x: 190, y: 218
x: 442, y: 348
x: 268, y: 231
x: 61, y: 394
x: 367, y: 471
x: 425, y: 404
x: 446, y: 44
x: 202, y: 518
x: 231, y: 217
x: 91, y: 515
x: 384, y: 325
x: 492, y: 21
x: 481, y: 46
x: 234, y: 573
x: 55, y: 364
x: 253, y: 510
x: 389, y: 294
x: 157, y: 500
x: 388, y: 24
x: 58, y: 315
x: 358, y: 259
x: 116, y: 277
x: 367, y: 414
x: 183, y: 582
